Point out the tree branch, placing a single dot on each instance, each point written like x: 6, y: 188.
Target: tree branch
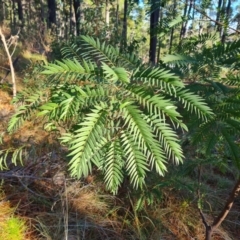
x: 10, y: 62
x: 212, y: 20
x: 228, y: 205
x: 199, y: 199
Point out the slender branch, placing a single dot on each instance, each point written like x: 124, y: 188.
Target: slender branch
x: 212, y: 20
x: 31, y: 191
x: 7, y: 69
x: 199, y: 199
x: 228, y: 205
x: 203, y: 218
x: 10, y: 62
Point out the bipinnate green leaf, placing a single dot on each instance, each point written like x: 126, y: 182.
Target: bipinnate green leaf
x: 114, y: 113
x: 83, y: 143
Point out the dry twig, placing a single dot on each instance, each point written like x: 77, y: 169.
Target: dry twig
x: 6, y: 47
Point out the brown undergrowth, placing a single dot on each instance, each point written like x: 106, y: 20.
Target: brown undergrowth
x: 181, y: 218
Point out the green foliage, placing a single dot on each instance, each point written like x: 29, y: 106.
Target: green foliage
x: 211, y: 72
x: 14, y: 229
x: 32, y: 99
x: 16, y: 155
x: 11, y: 227
x: 123, y: 114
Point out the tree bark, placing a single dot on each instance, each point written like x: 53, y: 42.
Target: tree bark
x: 51, y: 12
x: 172, y: 30
x: 77, y: 10
x: 227, y: 16
x: 218, y: 15
x: 183, y: 28
x: 208, y: 234
x: 124, y: 30
x: 107, y: 13
x: 10, y: 63
x: 42, y: 11
x: 20, y: 10
x: 159, y: 41
x: 153, y: 35
x: 2, y: 12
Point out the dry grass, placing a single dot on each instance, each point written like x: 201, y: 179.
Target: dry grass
x: 6, y: 108
x: 87, y: 200
x: 177, y: 219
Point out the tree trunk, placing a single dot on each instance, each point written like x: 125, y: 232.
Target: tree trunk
x: 72, y: 20
x: 153, y: 35
x: 77, y: 11
x: 218, y: 15
x: 208, y: 234
x: 124, y: 30
x: 188, y: 15
x: 13, y: 16
x: 117, y: 15
x: 183, y: 28
x: 42, y: 11
x: 160, y: 40
x: 29, y: 16
x: 172, y: 30
x: 51, y: 12
x: 227, y: 17
x: 107, y: 13
x: 2, y: 12
x: 20, y: 10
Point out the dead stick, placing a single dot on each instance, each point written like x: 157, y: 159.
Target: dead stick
x: 10, y: 63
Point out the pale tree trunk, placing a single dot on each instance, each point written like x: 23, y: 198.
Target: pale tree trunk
x: 6, y: 47
x: 72, y: 20
x: 107, y: 13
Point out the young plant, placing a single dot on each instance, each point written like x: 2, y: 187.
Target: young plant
x: 120, y: 115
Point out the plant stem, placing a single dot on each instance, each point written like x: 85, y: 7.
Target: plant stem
x: 228, y: 205
x: 10, y: 62
x: 223, y: 214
